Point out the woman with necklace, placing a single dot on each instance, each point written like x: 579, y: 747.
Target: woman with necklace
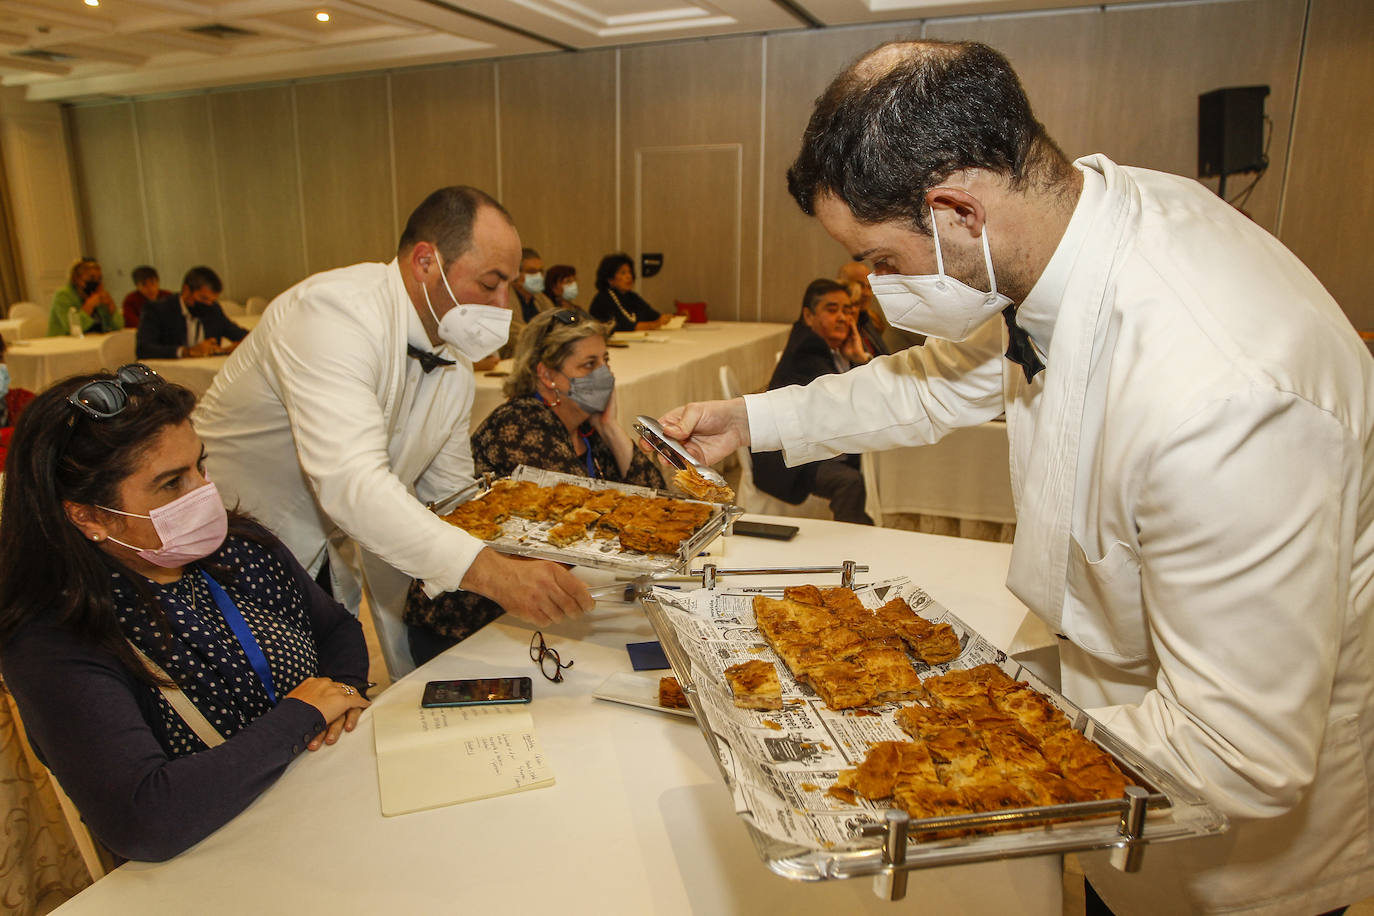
x: 559, y: 415
x: 616, y: 302
x: 169, y: 659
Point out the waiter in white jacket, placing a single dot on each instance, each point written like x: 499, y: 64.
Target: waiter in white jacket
x: 347, y: 409
x: 1191, y: 420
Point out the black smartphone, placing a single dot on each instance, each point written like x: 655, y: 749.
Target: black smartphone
x: 477, y: 691
x: 766, y: 530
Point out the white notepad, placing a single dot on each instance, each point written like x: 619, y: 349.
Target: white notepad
x: 428, y: 758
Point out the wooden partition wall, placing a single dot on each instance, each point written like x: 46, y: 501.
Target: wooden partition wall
x: 682, y: 148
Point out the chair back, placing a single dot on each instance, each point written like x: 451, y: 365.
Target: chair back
x: 255, y: 305
x: 230, y: 307
x: 117, y: 349
x: 35, y: 319
x: 749, y: 497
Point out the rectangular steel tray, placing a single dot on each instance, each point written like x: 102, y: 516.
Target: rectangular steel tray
x: 522, y: 537
x: 1174, y: 812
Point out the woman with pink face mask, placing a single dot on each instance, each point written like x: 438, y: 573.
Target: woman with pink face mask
x: 169, y: 658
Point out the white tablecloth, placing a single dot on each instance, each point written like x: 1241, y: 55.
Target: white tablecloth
x: 964, y: 475
x: 38, y: 362
x: 197, y: 372
x: 639, y: 820
x: 654, y: 376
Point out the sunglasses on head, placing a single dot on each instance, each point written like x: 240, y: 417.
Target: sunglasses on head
x: 105, y: 398
x: 569, y: 318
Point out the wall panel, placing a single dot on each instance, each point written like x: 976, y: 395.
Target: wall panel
x: 260, y: 191
x: 44, y: 203
x: 110, y: 193
x: 695, y: 93
x: 558, y: 157
x: 443, y: 125
x: 1328, y: 214
x: 345, y: 155
x: 178, y: 150
x: 1125, y: 81
x: 666, y: 183
x: 796, y: 250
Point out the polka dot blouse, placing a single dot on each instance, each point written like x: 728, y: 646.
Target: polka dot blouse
x: 198, y: 649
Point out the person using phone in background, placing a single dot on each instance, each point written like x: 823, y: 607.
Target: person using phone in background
x: 169, y: 659
x: 559, y: 415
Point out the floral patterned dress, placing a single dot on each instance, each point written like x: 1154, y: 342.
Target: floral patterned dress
x: 523, y: 430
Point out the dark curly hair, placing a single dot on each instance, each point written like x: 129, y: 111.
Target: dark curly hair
x: 906, y: 116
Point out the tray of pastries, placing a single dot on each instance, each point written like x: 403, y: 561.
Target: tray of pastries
x: 825, y: 707
x: 585, y: 522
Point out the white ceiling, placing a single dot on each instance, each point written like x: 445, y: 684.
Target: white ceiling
x: 64, y: 49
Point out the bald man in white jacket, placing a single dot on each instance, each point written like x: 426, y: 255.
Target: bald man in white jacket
x: 325, y: 429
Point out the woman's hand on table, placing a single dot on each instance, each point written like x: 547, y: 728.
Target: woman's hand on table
x: 339, y: 703
x: 710, y: 430
x: 538, y: 591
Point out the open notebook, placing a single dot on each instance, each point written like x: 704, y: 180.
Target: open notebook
x: 428, y: 758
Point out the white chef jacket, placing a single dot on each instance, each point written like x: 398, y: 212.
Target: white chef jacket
x: 1194, y: 483
x: 322, y: 428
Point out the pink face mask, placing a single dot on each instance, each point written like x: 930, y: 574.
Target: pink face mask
x: 191, y: 528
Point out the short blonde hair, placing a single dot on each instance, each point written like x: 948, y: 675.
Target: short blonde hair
x: 548, y: 338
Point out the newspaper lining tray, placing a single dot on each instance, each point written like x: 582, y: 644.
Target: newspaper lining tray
x: 777, y: 773
x: 525, y: 538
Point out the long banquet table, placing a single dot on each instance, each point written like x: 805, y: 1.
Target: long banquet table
x: 37, y: 362
x: 638, y: 821
x: 671, y: 367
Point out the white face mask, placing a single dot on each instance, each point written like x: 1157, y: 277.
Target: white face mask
x: 570, y: 291
x: 534, y: 283
x: 473, y: 330
x: 935, y: 304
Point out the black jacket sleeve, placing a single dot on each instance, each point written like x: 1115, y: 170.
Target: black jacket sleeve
x: 805, y: 358
x: 161, y: 330
x: 218, y: 324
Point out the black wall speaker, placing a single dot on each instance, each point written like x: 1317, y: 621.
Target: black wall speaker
x: 1230, y: 131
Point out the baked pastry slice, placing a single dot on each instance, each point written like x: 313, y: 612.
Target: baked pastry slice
x: 939, y: 644
x: 893, y: 677
x: 670, y: 695
x: 841, y: 685
x: 698, y: 487
x: 890, y: 762
x: 755, y: 685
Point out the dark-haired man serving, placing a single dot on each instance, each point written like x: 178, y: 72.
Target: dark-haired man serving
x: 347, y: 408
x: 1191, y: 419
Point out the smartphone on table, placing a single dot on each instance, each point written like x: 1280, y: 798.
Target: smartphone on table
x: 766, y: 530
x: 477, y: 691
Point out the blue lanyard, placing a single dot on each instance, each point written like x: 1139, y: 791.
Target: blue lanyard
x: 243, y: 634
x: 591, y: 465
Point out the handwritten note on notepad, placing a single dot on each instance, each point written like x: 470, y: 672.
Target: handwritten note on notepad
x: 428, y: 758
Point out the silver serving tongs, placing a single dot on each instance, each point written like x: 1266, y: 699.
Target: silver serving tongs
x: 672, y: 451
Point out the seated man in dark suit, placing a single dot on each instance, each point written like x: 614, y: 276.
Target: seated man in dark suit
x: 824, y: 340
x: 190, y: 323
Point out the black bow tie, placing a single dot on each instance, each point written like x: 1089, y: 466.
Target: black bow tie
x: 1020, y: 349
x: 428, y: 361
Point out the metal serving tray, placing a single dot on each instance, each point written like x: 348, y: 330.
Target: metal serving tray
x: 525, y: 538
x: 871, y: 839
